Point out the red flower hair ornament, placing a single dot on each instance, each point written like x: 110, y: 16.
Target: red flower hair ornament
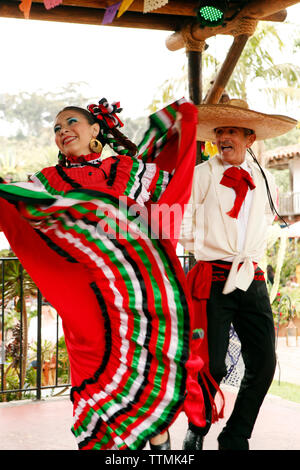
x: 106, y: 113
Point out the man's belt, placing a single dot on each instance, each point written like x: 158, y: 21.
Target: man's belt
x: 221, y: 270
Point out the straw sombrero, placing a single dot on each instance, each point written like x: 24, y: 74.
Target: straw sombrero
x: 236, y: 113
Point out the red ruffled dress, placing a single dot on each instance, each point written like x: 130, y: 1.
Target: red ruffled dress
x: 93, y: 238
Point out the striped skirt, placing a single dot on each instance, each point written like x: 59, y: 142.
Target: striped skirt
x: 124, y: 303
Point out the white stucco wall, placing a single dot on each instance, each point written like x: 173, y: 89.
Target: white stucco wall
x: 295, y: 183
x: 295, y: 174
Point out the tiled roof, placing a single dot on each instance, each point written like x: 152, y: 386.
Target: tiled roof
x: 281, y: 156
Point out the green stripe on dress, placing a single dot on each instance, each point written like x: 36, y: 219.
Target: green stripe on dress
x: 158, y: 379
x: 121, y: 268
x: 132, y: 180
x: 45, y: 182
x: 84, y: 197
x: 158, y: 187
x: 24, y: 192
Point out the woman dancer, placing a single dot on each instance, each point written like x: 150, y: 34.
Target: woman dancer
x: 94, y: 236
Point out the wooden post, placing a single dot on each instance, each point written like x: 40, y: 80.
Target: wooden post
x: 226, y: 70
x: 194, y: 56
x: 195, y: 76
x: 194, y: 49
x: 195, y: 85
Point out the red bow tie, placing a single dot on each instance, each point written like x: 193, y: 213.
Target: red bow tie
x: 239, y: 180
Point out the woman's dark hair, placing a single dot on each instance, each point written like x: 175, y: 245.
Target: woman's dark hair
x: 113, y: 137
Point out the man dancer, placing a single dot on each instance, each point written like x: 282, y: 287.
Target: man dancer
x: 225, y: 227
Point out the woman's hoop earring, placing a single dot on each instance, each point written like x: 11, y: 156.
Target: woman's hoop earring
x: 96, y: 146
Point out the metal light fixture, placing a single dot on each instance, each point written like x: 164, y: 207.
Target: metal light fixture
x: 212, y: 12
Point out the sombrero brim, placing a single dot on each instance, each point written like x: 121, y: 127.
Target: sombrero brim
x: 265, y: 126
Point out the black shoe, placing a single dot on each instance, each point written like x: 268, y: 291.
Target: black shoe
x: 164, y: 446
x: 192, y: 441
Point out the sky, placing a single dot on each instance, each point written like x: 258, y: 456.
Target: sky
x: 121, y: 64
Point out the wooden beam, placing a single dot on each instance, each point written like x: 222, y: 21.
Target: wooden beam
x: 173, y: 7
x: 163, y: 18
x: 261, y: 8
x: 278, y: 17
x: 226, y: 70
x: 69, y: 14
x: 256, y: 10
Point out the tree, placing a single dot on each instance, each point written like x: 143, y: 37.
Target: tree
x: 257, y: 65
x: 19, y: 159
x: 255, y: 70
x: 284, y: 286
x: 32, y: 147
x: 17, y: 286
x: 30, y: 113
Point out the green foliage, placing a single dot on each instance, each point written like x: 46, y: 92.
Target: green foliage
x: 17, y: 283
x: 12, y: 372
x: 290, y: 138
x: 282, y: 308
x: 17, y: 370
x: 30, y: 145
x: 10, y: 317
x: 13, y: 348
x: 12, y: 383
x: 168, y: 92
x: 288, y: 290
x: 286, y: 391
x: 291, y: 259
x: 30, y: 378
x: 282, y: 180
x: 135, y: 128
x: 255, y: 70
x: 30, y: 113
x: 47, y: 347
x: 63, y: 362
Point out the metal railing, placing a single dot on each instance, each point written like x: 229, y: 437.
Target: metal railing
x: 29, y: 362
x: 32, y: 366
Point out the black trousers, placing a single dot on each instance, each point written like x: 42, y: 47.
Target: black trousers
x: 251, y: 315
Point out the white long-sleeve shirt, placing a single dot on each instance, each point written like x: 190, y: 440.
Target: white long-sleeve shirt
x: 210, y: 233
